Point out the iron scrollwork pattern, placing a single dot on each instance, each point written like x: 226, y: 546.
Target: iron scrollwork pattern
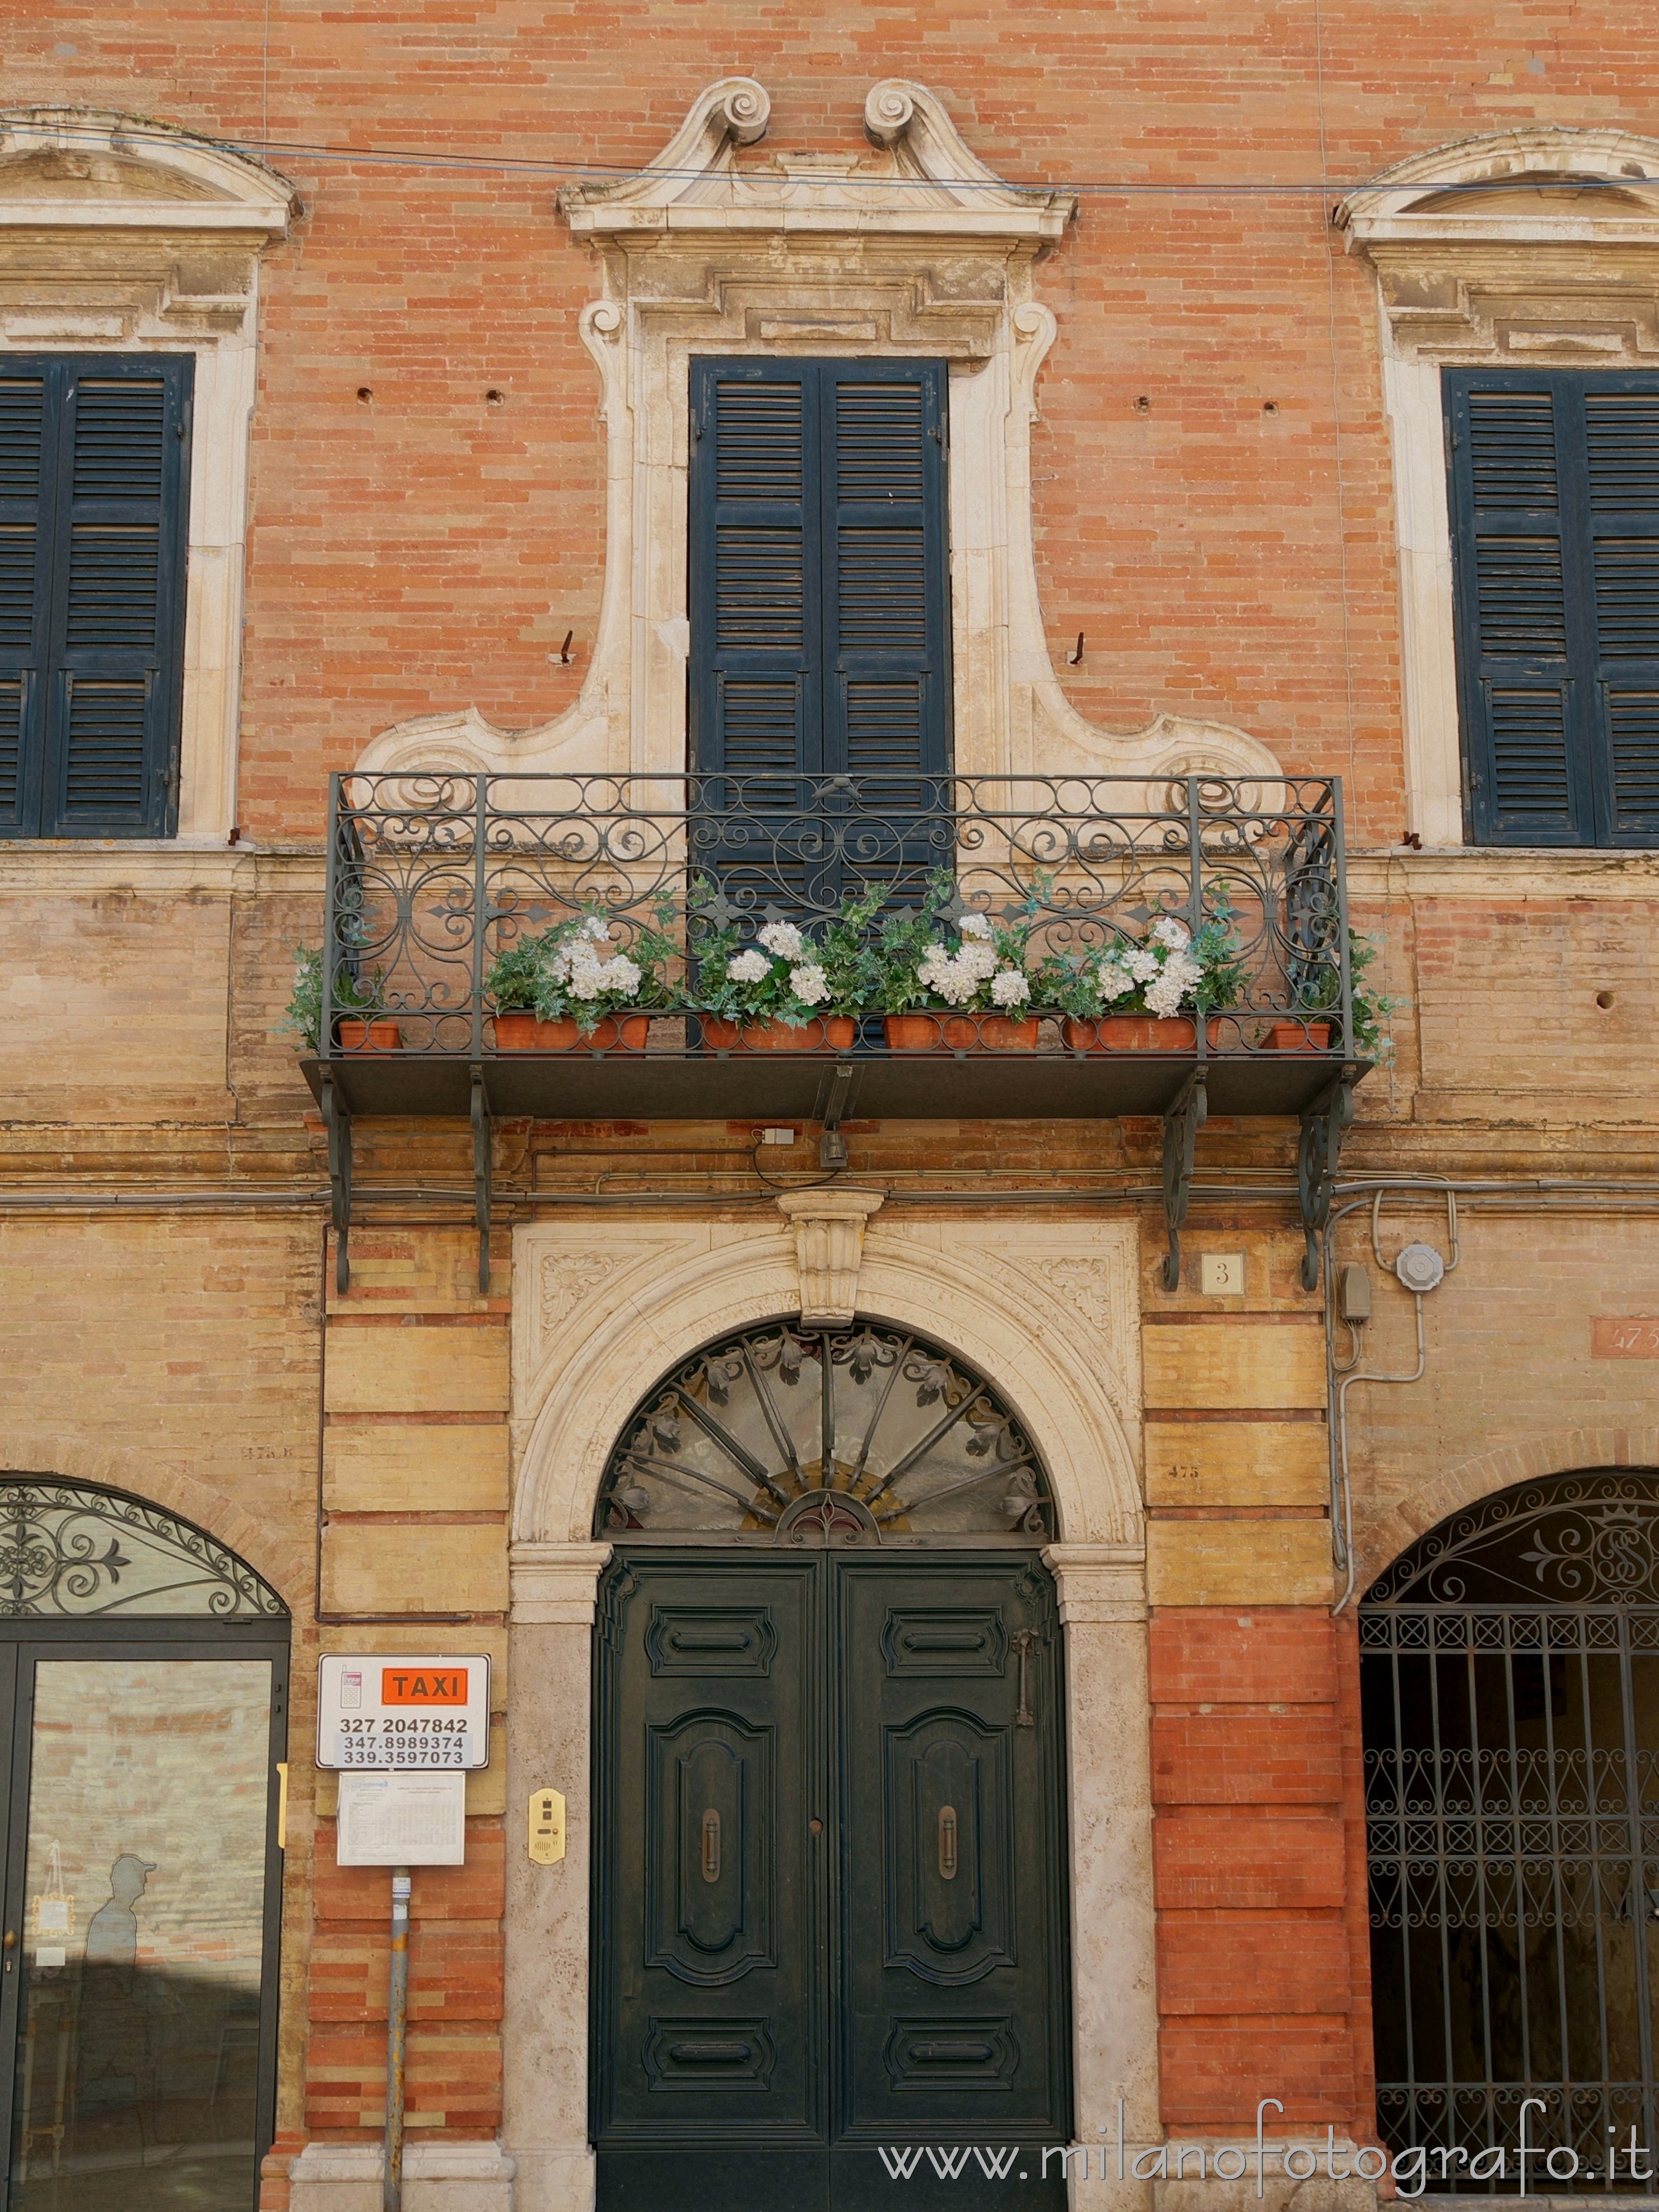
x: 432, y: 876
x: 860, y: 1436
x: 1509, y: 1678
x: 72, y: 1552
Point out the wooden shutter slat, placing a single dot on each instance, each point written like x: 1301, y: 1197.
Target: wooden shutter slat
x: 1515, y: 614
x: 117, y: 600
x: 1621, y: 450
x: 93, y: 467
x: 887, y: 606
x: 754, y: 569
x: 12, y: 752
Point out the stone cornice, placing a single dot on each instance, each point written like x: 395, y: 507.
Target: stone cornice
x: 925, y: 181
x: 82, y: 168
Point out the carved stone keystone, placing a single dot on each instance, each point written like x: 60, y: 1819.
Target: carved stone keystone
x: 829, y: 1245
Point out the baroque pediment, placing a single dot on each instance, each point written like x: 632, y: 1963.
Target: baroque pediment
x: 919, y: 178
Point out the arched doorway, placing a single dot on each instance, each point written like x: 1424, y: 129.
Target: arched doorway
x: 1510, y: 1671
x: 830, y: 1891
x: 143, y: 1691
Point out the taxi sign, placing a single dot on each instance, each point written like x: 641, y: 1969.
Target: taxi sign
x: 403, y: 1713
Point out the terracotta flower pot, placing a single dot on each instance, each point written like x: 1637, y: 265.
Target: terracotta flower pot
x: 1300, y: 1036
x: 1138, y: 1033
x: 834, y: 1033
x: 913, y: 1033
x: 960, y: 1033
x: 520, y: 1031
x: 357, y: 1034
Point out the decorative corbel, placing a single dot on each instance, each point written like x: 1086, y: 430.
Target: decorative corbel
x: 829, y: 1224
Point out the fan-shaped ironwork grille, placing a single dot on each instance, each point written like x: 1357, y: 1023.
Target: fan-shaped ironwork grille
x: 1509, y: 1675
x: 71, y: 1552
x: 864, y: 1436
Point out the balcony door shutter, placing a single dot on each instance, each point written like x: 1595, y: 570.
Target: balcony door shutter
x: 93, y: 466
x: 1555, y: 508
x: 1621, y: 437
x: 820, y: 593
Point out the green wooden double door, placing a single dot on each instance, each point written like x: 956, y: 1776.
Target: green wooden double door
x: 831, y: 1967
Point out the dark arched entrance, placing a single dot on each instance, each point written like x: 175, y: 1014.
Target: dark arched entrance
x: 143, y: 1691
x: 1510, y: 1667
x: 829, y: 1895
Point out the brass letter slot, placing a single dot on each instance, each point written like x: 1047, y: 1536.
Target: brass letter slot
x: 711, y: 1845
x: 947, y: 1843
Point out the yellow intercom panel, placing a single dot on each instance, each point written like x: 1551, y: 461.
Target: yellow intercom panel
x: 546, y: 1826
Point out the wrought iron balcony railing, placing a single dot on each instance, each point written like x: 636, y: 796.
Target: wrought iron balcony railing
x: 440, y: 884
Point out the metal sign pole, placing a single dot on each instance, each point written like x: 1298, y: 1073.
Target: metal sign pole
x: 396, y: 2016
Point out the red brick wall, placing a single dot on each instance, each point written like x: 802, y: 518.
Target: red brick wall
x: 1263, y: 1983
x: 455, y: 1969
x: 425, y: 547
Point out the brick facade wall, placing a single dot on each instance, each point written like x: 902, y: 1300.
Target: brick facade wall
x: 1213, y: 500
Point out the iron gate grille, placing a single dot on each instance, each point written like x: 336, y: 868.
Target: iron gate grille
x: 1512, y: 1807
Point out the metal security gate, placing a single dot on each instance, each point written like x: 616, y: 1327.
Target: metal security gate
x: 1510, y: 1673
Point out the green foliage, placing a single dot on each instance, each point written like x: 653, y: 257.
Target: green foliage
x: 1371, y: 1008
x: 352, y: 994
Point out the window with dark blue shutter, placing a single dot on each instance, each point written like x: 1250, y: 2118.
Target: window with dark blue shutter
x: 1554, y: 482
x: 820, y: 589
x: 94, y: 474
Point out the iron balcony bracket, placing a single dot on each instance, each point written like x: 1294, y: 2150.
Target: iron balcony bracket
x: 336, y: 1120
x: 1323, y: 1123
x: 1182, y: 1123
x: 834, y: 1100
x: 481, y: 1174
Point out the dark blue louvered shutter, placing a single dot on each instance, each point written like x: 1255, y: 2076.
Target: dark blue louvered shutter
x: 24, y: 576
x: 116, y: 598
x: 756, y: 671
x: 887, y: 610
x: 1527, y: 780
x: 1621, y: 448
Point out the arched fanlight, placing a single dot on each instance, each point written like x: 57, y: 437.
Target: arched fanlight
x: 73, y: 1551
x: 785, y: 1436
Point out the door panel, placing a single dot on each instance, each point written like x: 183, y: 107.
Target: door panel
x: 141, y: 1916
x: 709, y: 1990
x: 955, y: 2009
x: 774, y: 2006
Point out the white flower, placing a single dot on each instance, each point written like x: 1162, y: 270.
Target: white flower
x: 622, y: 977
x: 1114, y: 981
x: 783, y: 938
x: 1010, y: 988
x: 1144, y: 966
x: 809, y: 984
x: 1163, y: 997
x: 598, y: 928
x: 750, y: 966
x: 1171, y: 932
x: 977, y: 959
x: 973, y: 924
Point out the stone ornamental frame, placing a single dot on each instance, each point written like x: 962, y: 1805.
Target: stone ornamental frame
x: 917, y: 248
x: 1537, y: 246
x: 120, y: 235
x: 1049, y: 1313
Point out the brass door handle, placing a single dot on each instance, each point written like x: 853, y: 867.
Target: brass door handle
x: 10, y: 1943
x: 947, y: 1843
x: 711, y: 1845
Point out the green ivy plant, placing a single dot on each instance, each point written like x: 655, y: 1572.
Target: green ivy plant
x: 1323, y: 992
x: 352, y: 994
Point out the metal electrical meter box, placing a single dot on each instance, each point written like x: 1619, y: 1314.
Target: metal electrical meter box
x: 395, y: 1713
